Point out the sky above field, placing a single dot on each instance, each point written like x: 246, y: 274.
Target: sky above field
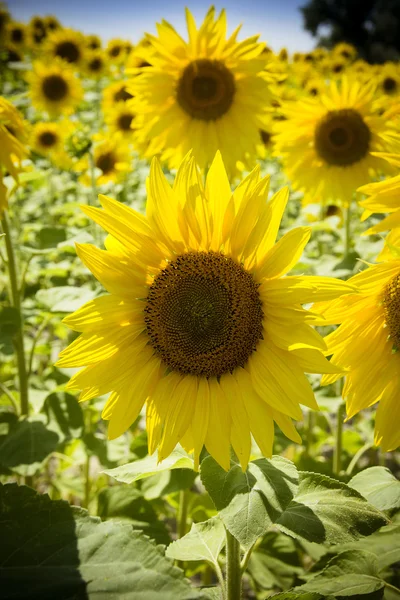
x: 278, y: 21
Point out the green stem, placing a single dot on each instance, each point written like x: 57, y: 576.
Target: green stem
x: 39, y: 332
x: 233, y: 570
x: 9, y: 395
x: 393, y: 588
x: 16, y: 302
x: 337, y: 455
x: 347, y: 239
x: 182, y: 513
x: 309, y: 433
x: 246, y: 558
x: 87, y: 481
x: 357, y: 457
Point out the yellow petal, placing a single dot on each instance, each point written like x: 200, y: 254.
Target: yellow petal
x: 219, y: 426
x: 284, y: 254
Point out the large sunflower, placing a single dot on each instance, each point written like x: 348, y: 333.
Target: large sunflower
x: 208, y: 93
x: 327, y: 143
x: 367, y: 345
x: 12, y: 148
x: 67, y: 45
x: 200, y: 322
x: 54, y: 87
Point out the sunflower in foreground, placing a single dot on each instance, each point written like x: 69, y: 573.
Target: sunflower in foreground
x: 200, y: 322
x: 54, y: 88
x: 327, y: 143
x: 367, y: 345
x: 12, y: 148
x: 209, y: 93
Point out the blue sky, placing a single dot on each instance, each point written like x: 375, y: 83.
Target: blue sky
x: 278, y: 21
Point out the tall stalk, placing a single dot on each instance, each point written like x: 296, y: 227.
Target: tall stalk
x: 233, y: 568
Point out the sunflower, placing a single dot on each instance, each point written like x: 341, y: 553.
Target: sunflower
x: 67, y: 45
x: 93, y: 42
x: 96, y: 64
x: 46, y: 138
x: 209, y: 92
x: 16, y: 34
x: 12, y: 148
x: 111, y: 159
x: 345, y: 51
x: 37, y: 32
x: 327, y: 143
x: 51, y: 23
x: 114, y: 94
x: 367, y: 345
x: 315, y: 86
x: 116, y: 50
x: 200, y: 322
x: 120, y: 120
x: 389, y: 80
x: 54, y: 87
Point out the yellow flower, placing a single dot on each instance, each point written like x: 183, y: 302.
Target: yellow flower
x: 67, y: 45
x: 200, y: 322
x: 93, y: 42
x: 54, y: 87
x: 120, y: 120
x: 12, y: 149
x: 116, y: 50
x: 112, y: 160
x: 327, y: 143
x: 51, y: 23
x: 49, y: 140
x: 345, y: 51
x: 115, y: 93
x: 366, y: 344
x: 389, y: 79
x: 208, y: 93
x: 96, y: 64
x: 16, y: 34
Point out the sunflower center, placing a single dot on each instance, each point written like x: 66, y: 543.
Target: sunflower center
x: 124, y: 122
x: 115, y: 51
x: 391, y: 308
x: 55, y: 87
x: 48, y: 139
x: 68, y: 51
x: 389, y: 84
x: 204, y: 314
x: 95, y: 64
x: 206, y: 89
x: 122, y: 95
x: 342, y: 137
x: 105, y: 162
x: 338, y: 68
x: 17, y: 36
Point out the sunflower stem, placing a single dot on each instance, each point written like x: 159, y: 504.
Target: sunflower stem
x: 182, y: 513
x: 392, y: 588
x: 337, y: 454
x: 233, y: 568
x: 347, y: 236
x: 16, y: 303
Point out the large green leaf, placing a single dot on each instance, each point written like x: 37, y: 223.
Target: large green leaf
x: 350, y: 573
x: 52, y: 550
x: 203, y: 542
x: 378, y: 486
x: 65, y: 415
x: 140, y: 469
x: 250, y: 502
x: 127, y: 502
x: 327, y: 511
x: 28, y: 442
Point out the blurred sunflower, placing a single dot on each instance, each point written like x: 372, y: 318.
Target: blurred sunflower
x: 116, y: 50
x: 93, y: 42
x: 367, y: 345
x: 37, y: 32
x: 51, y: 23
x: 95, y: 64
x: 67, y: 45
x: 115, y: 93
x: 12, y: 145
x: 16, y: 34
x: 346, y: 51
x: 112, y: 161
x: 120, y: 119
x: 389, y: 79
x: 54, y: 87
x: 208, y: 93
x: 328, y: 143
x: 315, y: 86
x: 200, y: 322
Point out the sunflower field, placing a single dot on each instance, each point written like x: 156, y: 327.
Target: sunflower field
x: 199, y: 317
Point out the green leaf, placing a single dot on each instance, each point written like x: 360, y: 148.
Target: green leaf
x: 250, y: 502
x: 168, y: 482
x: 140, y: 469
x: 58, y: 551
x: 299, y: 596
x: 378, y: 486
x: 50, y: 237
x: 122, y: 501
x: 327, y: 511
x: 64, y: 298
x: 349, y: 573
x: 203, y: 542
x: 29, y: 442
x: 65, y: 415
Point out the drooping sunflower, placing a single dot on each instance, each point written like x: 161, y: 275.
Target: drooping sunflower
x: 12, y: 145
x: 367, y: 345
x: 54, y: 87
x: 112, y: 161
x: 120, y: 120
x: 67, y: 45
x: 115, y: 93
x: 328, y: 143
x: 200, y: 322
x: 208, y: 93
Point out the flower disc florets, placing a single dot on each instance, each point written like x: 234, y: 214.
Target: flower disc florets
x: 391, y: 307
x: 342, y: 137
